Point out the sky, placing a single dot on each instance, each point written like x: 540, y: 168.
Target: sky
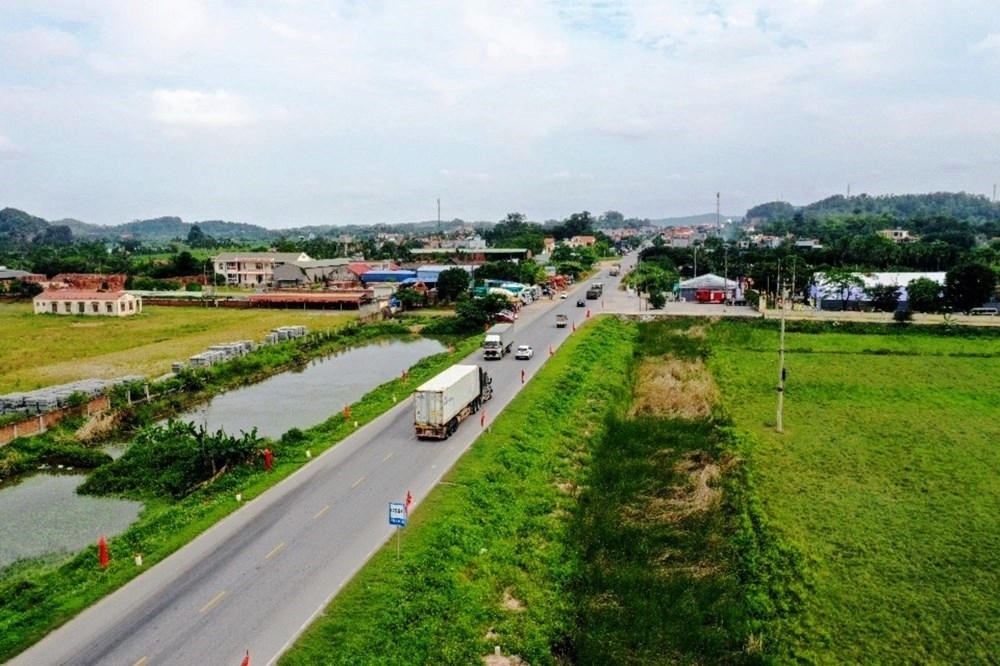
x: 289, y: 113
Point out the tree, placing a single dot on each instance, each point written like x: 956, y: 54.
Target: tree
x: 969, y: 285
x: 196, y: 237
x: 923, y: 295
x: 410, y: 298
x: 476, y: 313
x: 883, y: 297
x: 452, y: 283
x: 845, y: 282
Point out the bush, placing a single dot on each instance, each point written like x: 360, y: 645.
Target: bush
x: 902, y: 316
x: 172, y: 459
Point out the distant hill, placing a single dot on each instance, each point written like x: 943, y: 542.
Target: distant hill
x: 162, y: 229
x: 973, y: 208
x: 18, y: 228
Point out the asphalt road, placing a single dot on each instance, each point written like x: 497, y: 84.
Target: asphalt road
x: 255, y: 580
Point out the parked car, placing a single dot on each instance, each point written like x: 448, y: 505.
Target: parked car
x: 524, y: 352
x: 564, y: 295
x: 581, y: 304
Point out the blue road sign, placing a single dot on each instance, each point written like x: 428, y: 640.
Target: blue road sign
x: 397, y: 514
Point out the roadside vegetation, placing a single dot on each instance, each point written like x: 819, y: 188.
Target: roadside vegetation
x: 598, y: 521
x: 884, y: 479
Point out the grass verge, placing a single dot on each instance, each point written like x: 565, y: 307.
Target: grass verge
x: 574, y: 533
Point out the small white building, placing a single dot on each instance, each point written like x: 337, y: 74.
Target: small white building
x: 89, y: 303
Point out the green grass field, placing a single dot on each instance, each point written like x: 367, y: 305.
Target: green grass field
x: 45, y: 350
x: 886, y: 479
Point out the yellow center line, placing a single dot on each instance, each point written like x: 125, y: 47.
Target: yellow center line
x: 216, y: 599
x: 141, y: 662
x: 387, y: 457
x: 277, y: 549
x: 322, y: 512
x: 358, y: 482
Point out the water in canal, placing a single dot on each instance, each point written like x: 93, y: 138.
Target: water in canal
x: 307, y: 397
x: 43, y: 515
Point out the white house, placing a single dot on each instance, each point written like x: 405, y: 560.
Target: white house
x: 253, y: 269
x: 89, y: 303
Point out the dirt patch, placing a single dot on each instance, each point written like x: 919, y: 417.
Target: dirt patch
x: 668, y: 386
x: 498, y: 659
x: 696, y: 495
x: 97, y: 425
x: 510, y: 602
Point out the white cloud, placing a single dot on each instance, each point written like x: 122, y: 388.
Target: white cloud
x: 547, y: 105
x: 7, y: 147
x: 41, y: 44
x: 190, y: 110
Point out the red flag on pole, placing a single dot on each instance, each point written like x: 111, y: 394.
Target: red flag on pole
x: 102, y: 552
x: 409, y: 501
x: 246, y: 660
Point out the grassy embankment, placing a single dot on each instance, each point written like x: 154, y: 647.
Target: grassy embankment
x: 885, y: 478
x: 37, y: 596
x: 591, y: 525
x: 43, y: 350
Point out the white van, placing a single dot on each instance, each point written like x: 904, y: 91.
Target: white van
x: 988, y: 312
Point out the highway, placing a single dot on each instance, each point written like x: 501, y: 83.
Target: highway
x: 255, y: 580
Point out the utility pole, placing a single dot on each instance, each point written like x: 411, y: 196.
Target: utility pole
x: 439, y: 216
x: 725, y: 288
x: 781, y: 363
x: 695, y: 261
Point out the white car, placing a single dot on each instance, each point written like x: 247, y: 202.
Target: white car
x: 564, y: 295
x: 524, y: 352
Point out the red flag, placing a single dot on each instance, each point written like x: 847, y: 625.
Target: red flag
x: 102, y: 552
x: 246, y: 660
x: 482, y: 419
x: 409, y: 501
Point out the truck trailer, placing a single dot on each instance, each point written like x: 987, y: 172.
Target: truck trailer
x: 498, y: 341
x: 561, y: 320
x: 441, y: 403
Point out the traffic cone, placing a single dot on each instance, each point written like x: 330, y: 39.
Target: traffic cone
x: 102, y: 552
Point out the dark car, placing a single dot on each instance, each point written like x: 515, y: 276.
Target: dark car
x: 581, y: 304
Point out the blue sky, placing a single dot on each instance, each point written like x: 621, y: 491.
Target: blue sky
x: 296, y: 112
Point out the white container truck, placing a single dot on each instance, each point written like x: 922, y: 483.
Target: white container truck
x: 441, y: 403
x: 498, y: 341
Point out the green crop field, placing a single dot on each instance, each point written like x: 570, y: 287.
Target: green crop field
x: 885, y: 478
x: 44, y: 350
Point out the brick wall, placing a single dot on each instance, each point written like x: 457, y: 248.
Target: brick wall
x: 37, y: 424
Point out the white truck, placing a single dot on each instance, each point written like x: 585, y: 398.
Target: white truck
x: 498, y: 341
x: 441, y: 403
